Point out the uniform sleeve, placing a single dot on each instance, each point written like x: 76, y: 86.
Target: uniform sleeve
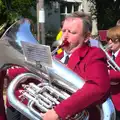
x: 94, y: 90
x: 114, y: 76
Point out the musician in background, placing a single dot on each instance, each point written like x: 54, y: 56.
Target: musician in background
x: 57, y: 42
x: 113, y: 39
x: 89, y: 63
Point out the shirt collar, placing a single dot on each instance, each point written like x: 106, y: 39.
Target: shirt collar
x: 78, y: 55
x: 66, y: 54
x: 116, y: 53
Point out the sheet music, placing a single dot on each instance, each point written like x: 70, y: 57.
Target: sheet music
x: 94, y: 42
x: 41, y: 54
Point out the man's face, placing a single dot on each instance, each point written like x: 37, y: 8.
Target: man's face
x: 73, y: 32
x: 114, y: 46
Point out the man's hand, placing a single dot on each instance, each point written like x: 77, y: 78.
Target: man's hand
x: 50, y: 115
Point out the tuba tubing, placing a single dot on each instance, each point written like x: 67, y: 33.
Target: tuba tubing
x: 15, y: 102
x: 73, y: 78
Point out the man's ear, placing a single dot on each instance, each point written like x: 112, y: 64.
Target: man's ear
x: 87, y: 37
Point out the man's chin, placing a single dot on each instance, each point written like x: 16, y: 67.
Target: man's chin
x: 69, y: 49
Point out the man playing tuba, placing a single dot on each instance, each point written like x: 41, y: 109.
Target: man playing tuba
x: 89, y: 63
x: 82, y: 59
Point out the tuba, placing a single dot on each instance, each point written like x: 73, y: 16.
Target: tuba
x: 54, y: 83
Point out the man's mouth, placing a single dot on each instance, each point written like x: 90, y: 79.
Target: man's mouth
x: 65, y: 43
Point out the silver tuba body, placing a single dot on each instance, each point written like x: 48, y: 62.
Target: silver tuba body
x: 54, y: 84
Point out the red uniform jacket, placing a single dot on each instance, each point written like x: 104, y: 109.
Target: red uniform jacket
x: 90, y: 64
x: 115, y: 85
x: 2, y: 108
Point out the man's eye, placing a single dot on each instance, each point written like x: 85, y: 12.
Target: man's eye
x: 72, y: 32
x: 63, y: 30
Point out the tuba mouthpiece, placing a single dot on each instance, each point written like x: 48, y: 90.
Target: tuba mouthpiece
x: 64, y: 43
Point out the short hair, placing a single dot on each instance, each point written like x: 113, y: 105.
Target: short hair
x: 114, y: 33
x: 86, y: 18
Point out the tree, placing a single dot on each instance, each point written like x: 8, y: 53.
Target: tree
x: 108, y: 12
x: 10, y: 10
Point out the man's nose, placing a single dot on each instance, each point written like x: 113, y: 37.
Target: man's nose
x: 65, y: 35
x: 110, y: 41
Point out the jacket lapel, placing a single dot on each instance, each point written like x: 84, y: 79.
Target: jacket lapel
x: 117, y: 59
x: 78, y: 55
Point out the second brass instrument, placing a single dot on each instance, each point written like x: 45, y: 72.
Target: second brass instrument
x: 110, y: 61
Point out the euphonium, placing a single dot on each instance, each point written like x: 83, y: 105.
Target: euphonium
x: 54, y: 84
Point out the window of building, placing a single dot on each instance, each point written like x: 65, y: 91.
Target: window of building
x: 68, y: 7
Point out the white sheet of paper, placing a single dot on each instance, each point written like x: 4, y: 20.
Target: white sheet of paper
x: 94, y: 42
x: 37, y: 53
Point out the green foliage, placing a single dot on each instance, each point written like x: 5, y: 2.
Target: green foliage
x: 11, y: 10
x: 108, y: 12
x: 2, y: 12
x: 17, y: 9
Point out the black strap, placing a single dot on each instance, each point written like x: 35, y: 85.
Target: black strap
x: 113, y: 57
x: 66, y: 59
